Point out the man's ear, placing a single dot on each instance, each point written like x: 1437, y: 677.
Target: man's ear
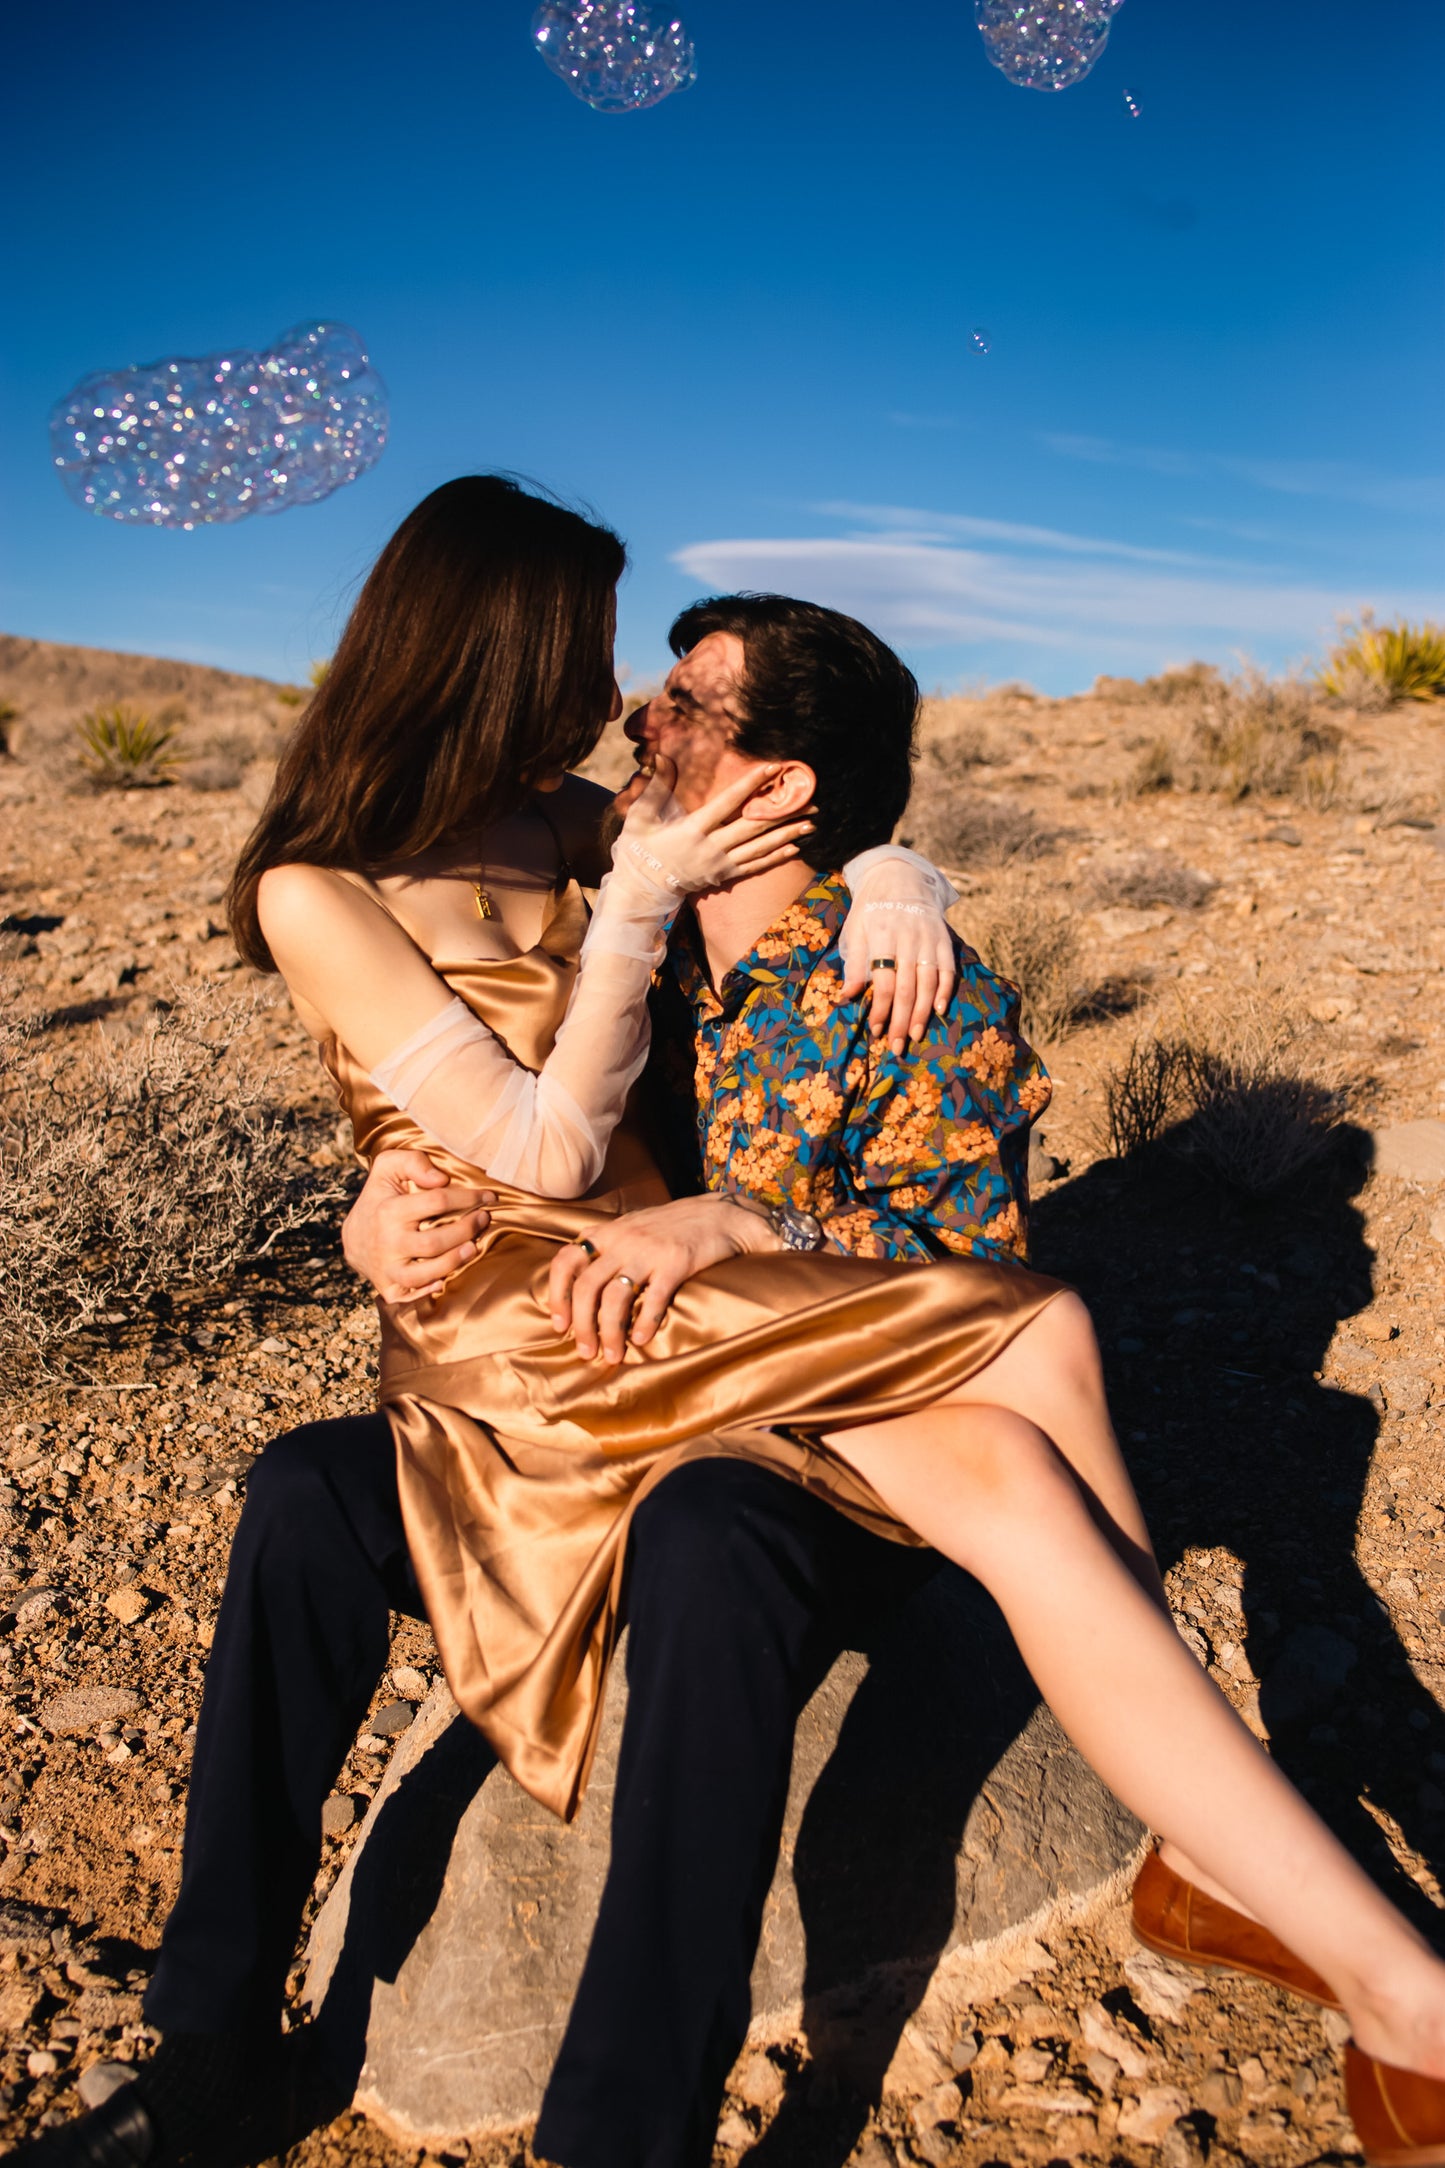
x: 791, y: 791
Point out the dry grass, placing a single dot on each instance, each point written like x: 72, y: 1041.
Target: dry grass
x: 1155, y: 768
x: 1262, y: 737
x: 132, y: 1167
x: 1246, y: 1094
x: 1034, y: 940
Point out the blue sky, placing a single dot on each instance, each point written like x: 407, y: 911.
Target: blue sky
x: 739, y: 324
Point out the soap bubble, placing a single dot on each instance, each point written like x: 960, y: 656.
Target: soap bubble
x: 981, y: 339
x: 1132, y: 104
x: 614, y: 55
x: 194, y: 443
x: 1044, y: 44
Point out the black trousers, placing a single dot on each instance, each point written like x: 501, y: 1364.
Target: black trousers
x: 740, y: 1591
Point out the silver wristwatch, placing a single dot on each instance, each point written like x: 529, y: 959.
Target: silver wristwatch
x: 797, y: 1230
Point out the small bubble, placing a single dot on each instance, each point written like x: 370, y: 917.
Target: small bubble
x: 981, y: 339
x: 1132, y: 104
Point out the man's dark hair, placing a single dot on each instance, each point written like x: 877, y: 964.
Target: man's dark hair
x: 820, y: 687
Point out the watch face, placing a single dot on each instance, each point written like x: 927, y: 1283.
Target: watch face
x: 800, y: 1230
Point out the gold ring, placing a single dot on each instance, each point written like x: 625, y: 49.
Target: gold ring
x: 626, y: 1279
x: 884, y: 963
x: 582, y: 1243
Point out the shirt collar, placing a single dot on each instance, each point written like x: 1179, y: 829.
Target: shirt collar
x: 783, y: 959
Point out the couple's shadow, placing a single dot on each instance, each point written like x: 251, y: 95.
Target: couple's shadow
x: 1235, y: 1444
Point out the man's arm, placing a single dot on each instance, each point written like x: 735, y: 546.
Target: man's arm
x: 411, y: 1227
x: 933, y: 1152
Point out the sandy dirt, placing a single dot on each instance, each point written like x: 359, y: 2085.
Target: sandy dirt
x: 1277, y: 1368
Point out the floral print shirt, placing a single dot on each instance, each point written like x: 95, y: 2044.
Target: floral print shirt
x: 773, y: 1086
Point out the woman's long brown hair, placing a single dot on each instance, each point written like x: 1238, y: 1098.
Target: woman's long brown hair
x: 477, y: 659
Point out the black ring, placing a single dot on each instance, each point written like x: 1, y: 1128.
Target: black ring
x: 884, y: 963
x: 581, y: 1243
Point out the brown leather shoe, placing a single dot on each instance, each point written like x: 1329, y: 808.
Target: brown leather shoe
x: 1179, y: 1921
x: 1399, y: 2115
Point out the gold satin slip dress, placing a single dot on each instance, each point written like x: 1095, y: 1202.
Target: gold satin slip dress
x: 519, y: 1465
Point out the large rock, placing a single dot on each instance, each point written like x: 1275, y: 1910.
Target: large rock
x: 937, y: 1824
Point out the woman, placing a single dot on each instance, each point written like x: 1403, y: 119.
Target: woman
x: 1009, y: 1466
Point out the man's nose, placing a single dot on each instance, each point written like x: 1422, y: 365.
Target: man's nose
x: 635, y: 727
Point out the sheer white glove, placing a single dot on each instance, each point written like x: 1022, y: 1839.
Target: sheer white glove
x: 898, y: 904
x: 709, y: 847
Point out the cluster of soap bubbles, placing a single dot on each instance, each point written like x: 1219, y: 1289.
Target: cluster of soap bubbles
x: 615, y: 55
x: 1132, y: 105
x: 196, y: 443
x: 1044, y: 44
x: 980, y: 338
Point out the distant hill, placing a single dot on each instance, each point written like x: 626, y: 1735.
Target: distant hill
x: 52, y: 685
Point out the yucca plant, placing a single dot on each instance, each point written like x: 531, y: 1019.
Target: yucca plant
x: 1373, y: 666
x: 125, y: 749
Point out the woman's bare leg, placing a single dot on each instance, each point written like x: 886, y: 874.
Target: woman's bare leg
x: 988, y: 1489
x: 1052, y: 1374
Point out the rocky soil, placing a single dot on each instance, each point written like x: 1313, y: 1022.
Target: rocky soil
x: 1277, y: 1365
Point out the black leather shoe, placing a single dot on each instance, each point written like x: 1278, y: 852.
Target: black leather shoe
x: 117, y: 2134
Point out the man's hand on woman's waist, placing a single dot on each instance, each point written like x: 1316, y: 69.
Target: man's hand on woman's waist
x: 412, y: 1227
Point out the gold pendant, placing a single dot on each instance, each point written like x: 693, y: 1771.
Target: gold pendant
x: 484, y: 902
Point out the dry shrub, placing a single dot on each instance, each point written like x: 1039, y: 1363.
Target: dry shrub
x: 957, y: 825
x: 132, y: 1167
x: 1148, y: 879
x: 1153, y: 770
x: 956, y: 738
x: 1261, y: 737
x: 1184, y: 687
x: 1033, y: 940
x: 1246, y: 1094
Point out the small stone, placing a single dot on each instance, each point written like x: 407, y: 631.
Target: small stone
x: 993, y: 2055
x: 1121, y: 922
x: 1407, y: 1392
x: 1252, y: 2074
x: 943, y: 2104
x: 19, y: 2002
x: 410, y: 1684
x: 757, y: 2081
x: 1161, y: 1990
x: 101, y: 2080
x: 127, y: 1605
x: 1401, y: 1585
x: 1336, y: 2027
x: 41, y: 2063
x: 1101, y: 2031
x: 391, y: 1721
x: 1411, y: 1151
x: 965, y: 2051
x: 1031, y: 2065
x: 735, y: 2133
x: 338, y: 1815
x: 1437, y: 1228
x: 1043, y: 1167
x: 1146, y: 2119
x: 76, y: 1715
x: 1220, y: 2091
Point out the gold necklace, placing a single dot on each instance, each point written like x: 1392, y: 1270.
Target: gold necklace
x: 484, y: 901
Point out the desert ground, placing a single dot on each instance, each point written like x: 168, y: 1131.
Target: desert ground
x: 1224, y: 905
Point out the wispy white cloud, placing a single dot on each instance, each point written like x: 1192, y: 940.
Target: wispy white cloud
x: 1348, y: 481
x: 916, y: 579
x: 939, y: 526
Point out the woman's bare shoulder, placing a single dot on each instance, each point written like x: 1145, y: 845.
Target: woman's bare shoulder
x: 291, y: 899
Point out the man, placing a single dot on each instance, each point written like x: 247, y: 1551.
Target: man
x: 805, y: 1129
x: 791, y: 1125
